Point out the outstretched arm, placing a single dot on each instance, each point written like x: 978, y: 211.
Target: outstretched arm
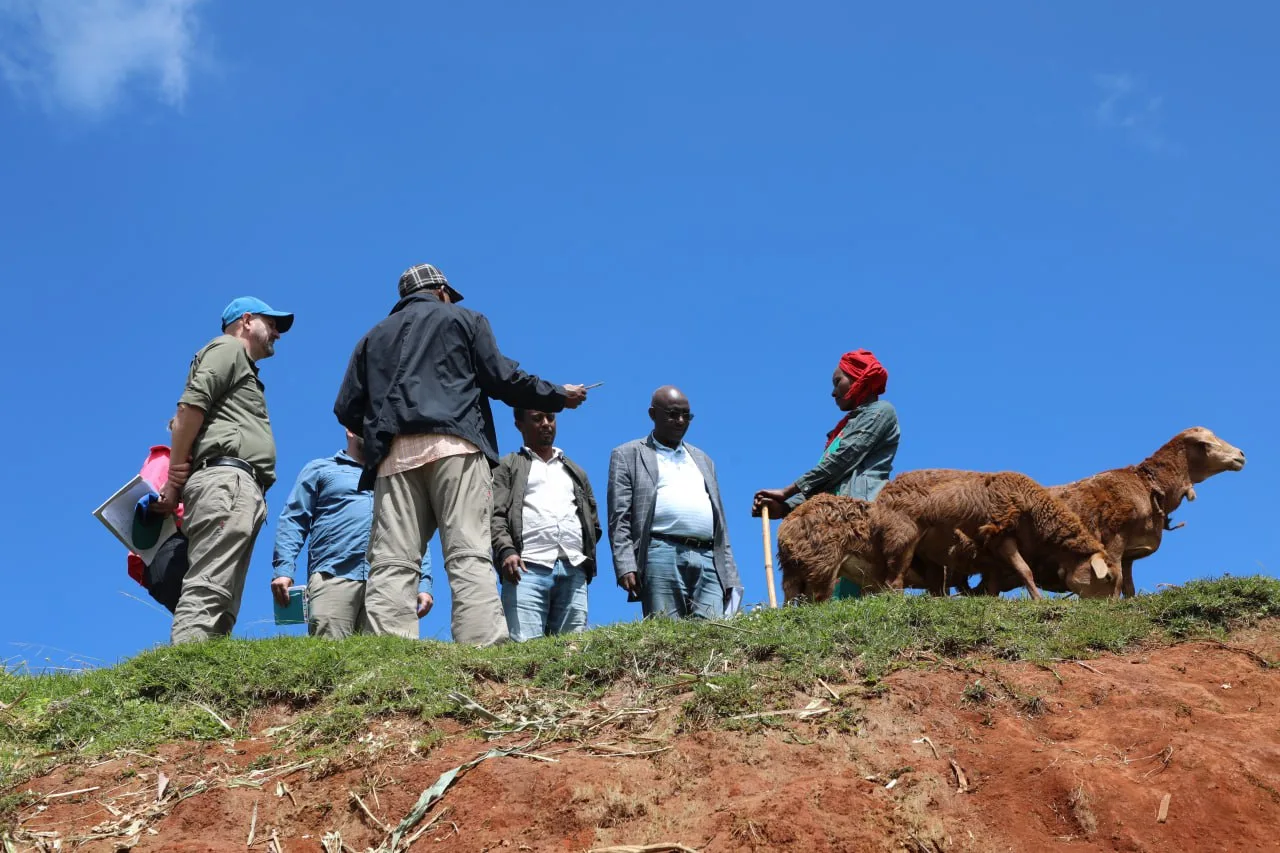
x: 502, y: 379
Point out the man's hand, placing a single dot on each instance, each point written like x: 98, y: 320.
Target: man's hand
x: 575, y: 396
x: 513, y: 567
x: 179, y: 472
x: 280, y: 590
x: 424, y: 603
x: 777, y: 509
x: 774, y: 499
x: 170, y: 496
x: 629, y: 583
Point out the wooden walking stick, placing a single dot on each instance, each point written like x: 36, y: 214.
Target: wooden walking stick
x: 768, y: 556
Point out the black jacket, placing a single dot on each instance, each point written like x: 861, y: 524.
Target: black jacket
x: 511, y: 481
x: 431, y: 367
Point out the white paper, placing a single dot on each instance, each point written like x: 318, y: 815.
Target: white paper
x: 732, y: 602
x: 116, y: 513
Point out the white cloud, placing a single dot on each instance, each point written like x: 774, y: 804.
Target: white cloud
x: 82, y: 54
x: 1127, y: 106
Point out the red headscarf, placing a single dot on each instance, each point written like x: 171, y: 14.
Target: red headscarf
x: 869, y: 380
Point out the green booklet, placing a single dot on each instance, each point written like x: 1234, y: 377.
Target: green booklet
x: 296, y: 613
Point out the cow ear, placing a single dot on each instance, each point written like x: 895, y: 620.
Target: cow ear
x: 1100, y: 569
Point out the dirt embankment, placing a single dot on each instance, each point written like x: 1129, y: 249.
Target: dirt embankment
x: 1074, y: 758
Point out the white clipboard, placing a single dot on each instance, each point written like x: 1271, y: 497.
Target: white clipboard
x: 116, y: 514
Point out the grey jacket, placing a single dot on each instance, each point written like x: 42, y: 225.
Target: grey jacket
x: 511, y: 481
x: 859, y: 461
x: 631, y: 499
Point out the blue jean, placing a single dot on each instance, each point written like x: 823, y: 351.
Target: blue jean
x: 547, y: 600
x: 681, y: 582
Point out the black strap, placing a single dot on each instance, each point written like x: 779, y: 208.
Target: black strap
x: 685, y: 541
x: 232, y: 462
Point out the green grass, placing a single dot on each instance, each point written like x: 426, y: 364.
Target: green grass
x: 337, y: 687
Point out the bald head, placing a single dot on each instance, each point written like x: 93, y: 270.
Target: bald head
x: 668, y: 394
x: 669, y: 410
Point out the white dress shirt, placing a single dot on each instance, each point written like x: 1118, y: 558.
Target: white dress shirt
x: 550, y: 523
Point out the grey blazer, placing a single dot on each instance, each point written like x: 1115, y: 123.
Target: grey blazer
x: 631, y: 498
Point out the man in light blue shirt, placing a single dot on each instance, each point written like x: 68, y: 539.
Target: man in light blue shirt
x: 667, y: 522
x: 328, y: 507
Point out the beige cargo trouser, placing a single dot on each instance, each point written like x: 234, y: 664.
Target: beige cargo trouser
x: 455, y: 495
x: 336, y: 607
x: 340, y: 607
x: 223, y: 512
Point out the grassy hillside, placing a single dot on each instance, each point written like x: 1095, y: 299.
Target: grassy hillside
x: 202, y: 691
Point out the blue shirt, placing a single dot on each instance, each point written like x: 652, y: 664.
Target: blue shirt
x: 682, y: 506
x: 327, y: 506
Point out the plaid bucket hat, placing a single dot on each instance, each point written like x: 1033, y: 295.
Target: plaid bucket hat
x: 424, y: 276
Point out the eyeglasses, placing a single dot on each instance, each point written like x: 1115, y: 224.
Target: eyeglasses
x: 676, y: 414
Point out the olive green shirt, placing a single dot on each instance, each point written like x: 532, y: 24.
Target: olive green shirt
x: 223, y: 382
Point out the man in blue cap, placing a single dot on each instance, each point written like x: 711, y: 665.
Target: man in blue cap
x: 223, y: 461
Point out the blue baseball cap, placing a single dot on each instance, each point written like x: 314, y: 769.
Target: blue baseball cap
x: 253, y: 305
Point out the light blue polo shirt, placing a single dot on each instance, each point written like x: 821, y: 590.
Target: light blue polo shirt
x: 683, y: 506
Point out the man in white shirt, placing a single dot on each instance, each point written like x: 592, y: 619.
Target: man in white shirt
x: 545, y: 528
x: 666, y: 520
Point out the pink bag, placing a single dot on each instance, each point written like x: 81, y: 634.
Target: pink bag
x: 156, y: 472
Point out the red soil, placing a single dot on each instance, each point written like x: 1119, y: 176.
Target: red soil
x: 1074, y: 759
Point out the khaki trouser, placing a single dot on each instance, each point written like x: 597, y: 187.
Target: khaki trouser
x: 224, y: 510
x: 341, y: 607
x: 454, y: 494
x: 336, y: 605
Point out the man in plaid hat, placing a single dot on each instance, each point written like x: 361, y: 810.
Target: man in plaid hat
x: 417, y: 389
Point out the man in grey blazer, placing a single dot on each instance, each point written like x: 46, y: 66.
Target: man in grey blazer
x: 666, y: 520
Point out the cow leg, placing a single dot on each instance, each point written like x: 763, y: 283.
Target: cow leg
x: 1126, y: 569
x: 899, y: 538
x: 936, y: 579
x: 899, y: 564
x: 793, y: 588
x: 1008, y: 548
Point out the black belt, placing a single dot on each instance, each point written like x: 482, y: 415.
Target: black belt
x: 684, y: 541
x: 232, y: 462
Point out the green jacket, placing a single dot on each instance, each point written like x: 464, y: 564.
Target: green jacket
x: 859, y: 461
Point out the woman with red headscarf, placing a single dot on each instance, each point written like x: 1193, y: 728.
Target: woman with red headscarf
x: 858, y: 454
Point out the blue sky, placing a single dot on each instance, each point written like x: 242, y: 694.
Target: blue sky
x: 1054, y: 223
